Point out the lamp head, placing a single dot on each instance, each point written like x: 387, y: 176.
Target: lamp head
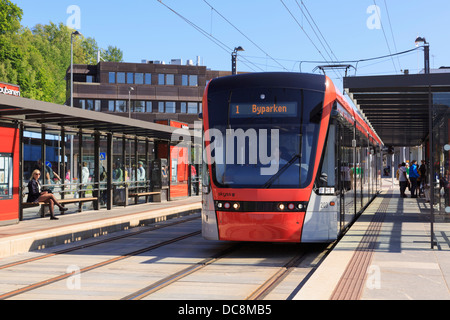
x: 419, y: 40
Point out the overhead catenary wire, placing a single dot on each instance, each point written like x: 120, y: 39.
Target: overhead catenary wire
x: 314, y: 28
x: 363, y: 60
x: 309, y: 38
x: 392, y: 33
x: 384, y: 34
x: 219, y: 43
x: 248, y: 38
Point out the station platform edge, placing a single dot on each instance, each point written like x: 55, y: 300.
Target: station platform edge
x: 37, y: 234
x: 386, y: 255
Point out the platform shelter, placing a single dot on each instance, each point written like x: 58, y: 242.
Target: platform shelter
x: 86, y: 154
x: 412, y: 110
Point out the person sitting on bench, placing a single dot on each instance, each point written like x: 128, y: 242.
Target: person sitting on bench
x: 36, y: 194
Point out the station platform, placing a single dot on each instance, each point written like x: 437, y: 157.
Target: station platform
x: 35, y: 233
x: 387, y: 255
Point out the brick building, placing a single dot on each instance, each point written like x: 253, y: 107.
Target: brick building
x: 154, y: 90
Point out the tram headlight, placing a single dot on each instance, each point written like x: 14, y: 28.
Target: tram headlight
x: 281, y: 206
x: 227, y: 205
x: 236, y: 206
x: 291, y: 206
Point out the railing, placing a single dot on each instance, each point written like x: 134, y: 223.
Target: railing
x: 79, y: 190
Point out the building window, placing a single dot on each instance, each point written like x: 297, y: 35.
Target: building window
x: 112, y: 77
x: 161, y: 79
x: 170, y: 79
x: 148, y: 78
x: 121, y: 106
x: 89, y: 79
x: 81, y: 103
x: 183, y: 107
x: 189, y: 80
x: 98, y: 105
x: 160, y: 106
x: 120, y: 77
x: 170, y: 107
x: 184, y: 80
x: 139, y: 106
x: 139, y: 78
x: 89, y: 104
x: 130, y: 77
x: 167, y: 107
x: 148, y: 106
x: 166, y: 79
x: 111, y: 105
x: 192, y: 107
x: 193, y: 80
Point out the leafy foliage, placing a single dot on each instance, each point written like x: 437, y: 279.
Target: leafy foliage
x: 37, y: 59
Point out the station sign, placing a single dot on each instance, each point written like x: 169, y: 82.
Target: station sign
x: 9, y: 89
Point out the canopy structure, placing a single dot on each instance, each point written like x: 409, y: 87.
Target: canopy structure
x: 398, y: 106
x: 33, y: 111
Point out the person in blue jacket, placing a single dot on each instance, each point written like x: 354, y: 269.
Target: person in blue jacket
x: 413, y: 175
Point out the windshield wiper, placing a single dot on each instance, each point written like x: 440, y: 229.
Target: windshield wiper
x: 280, y: 172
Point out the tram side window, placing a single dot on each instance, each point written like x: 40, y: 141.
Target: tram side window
x: 327, y: 176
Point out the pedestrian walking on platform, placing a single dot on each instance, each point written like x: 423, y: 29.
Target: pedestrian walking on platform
x: 413, y: 176
x: 36, y: 194
x: 402, y: 179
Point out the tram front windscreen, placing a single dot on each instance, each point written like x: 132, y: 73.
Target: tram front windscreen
x: 263, y: 137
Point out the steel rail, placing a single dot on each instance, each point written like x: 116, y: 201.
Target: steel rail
x: 95, y: 266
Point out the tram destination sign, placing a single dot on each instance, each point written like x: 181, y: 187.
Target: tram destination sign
x: 252, y: 110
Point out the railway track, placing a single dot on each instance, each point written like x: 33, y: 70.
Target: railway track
x: 114, y: 272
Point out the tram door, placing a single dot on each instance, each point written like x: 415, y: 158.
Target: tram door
x: 347, y: 182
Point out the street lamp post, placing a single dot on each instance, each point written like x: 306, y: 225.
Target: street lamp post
x: 129, y: 101
x: 75, y: 33
x: 233, y: 58
x: 426, y: 49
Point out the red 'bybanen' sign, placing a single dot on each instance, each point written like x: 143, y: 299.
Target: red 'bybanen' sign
x: 9, y: 89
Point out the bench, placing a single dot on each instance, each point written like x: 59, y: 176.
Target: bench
x: 80, y: 202
x: 136, y: 195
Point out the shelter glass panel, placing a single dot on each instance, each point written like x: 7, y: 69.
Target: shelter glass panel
x: 103, y: 169
x: 118, y: 160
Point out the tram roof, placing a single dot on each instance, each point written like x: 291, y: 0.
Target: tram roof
x: 45, y: 113
x: 397, y: 105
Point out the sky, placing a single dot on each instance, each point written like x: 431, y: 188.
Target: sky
x: 277, y: 35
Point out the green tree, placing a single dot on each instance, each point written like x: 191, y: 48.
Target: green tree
x: 10, y: 17
x: 90, y: 48
x: 113, y: 54
x: 38, y: 59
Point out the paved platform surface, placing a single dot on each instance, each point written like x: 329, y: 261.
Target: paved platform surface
x: 39, y: 233
x: 387, y: 255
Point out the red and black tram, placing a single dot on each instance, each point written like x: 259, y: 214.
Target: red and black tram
x: 286, y: 159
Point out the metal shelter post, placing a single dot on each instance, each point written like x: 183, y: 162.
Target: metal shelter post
x: 431, y: 171
x: 96, y: 185
x: 109, y: 168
